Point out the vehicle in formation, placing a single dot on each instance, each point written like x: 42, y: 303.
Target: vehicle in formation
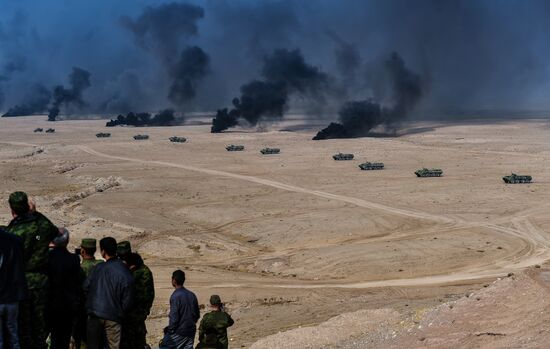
x: 515, y: 179
x: 368, y: 166
x: 175, y: 139
x: 102, y: 135
x: 233, y: 147
x: 270, y: 151
x: 141, y: 137
x: 429, y: 172
x: 38, y: 129
x: 50, y: 130
x: 342, y: 156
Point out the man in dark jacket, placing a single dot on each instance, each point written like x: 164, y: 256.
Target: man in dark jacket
x: 13, y: 288
x: 64, y: 297
x: 110, y: 292
x: 184, y: 314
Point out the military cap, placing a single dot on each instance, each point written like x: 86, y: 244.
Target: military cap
x: 123, y: 248
x: 215, y: 300
x: 19, y: 201
x: 88, y: 243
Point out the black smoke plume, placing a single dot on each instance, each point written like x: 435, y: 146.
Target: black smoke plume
x: 285, y: 73
x: 401, y: 89
x: 163, y: 118
x: 191, y: 68
x: 35, y: 102
x: 79, y: 79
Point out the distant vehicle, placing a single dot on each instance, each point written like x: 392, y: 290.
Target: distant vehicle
x: 141, y: 137
x: 514, y: 179
x: 50, y: 130
x: 38, y: 129
x: 175, y: 139
x: 234, y: 147
x: 270, y: 151
x: 429, y: 172
x: 367, y: 166
x: 341, y: 156
x: 102, y: 135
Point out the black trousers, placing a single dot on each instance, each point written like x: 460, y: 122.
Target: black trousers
x: 61, y: 323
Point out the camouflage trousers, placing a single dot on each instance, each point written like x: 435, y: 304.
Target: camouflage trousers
x: 134, y: 334
x: 32, y: 320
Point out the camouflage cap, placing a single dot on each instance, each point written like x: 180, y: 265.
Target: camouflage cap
x: 124, y: 248
x: 88, y: 243
x: 19, y: 202
x: 215, y: 300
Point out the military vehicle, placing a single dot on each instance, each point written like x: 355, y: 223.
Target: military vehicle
x: 429, y: 172
x: 367, y: 166
x: 102, y: 135
x: 178, y: 139
x: 50, y: 130
x: 38, y: 129
x: 341, y: 157
x: 270, y: 151
x: 141, y: 137
x: 234, y: 147
x: 514, y: 179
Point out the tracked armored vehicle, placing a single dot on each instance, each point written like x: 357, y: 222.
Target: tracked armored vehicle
x: 38, y: 129
x: 369, y: 166
x: 178, y: 139
x: 50, y: 130
x: 141, y: 137
x: 515, y: 179
x: 234, y: 147
x: 341, y: 157
x: 429, y: 172
x: 270, y: 151
x: 103, y: 135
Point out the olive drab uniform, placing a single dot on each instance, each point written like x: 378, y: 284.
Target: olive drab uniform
x: 213, y: 330
x: 88, y: 264
x: 134, y: 330
x: 37, y: 232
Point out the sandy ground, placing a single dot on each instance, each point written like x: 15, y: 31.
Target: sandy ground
x: 294, y: 239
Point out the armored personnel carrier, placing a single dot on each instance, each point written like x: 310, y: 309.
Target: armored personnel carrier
x: 103, y: 135
x: 38, y: 129
x: 50, y: 130
x: 341, y: 156
x: 270, y: 151
x: 429, y: 172
x: 141, y: 137
x: 368, y: 166
x: 514, y: 179
x: 234, y: 147
x: 178, y: 139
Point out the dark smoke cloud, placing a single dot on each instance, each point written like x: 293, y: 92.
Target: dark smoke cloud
x: 163, y: 118
x: 358, y: 118
x: 35, y: 102
x: 191, y: 68
x: 79, y: 80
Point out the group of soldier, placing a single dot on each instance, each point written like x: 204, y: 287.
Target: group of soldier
x: 79, y: 301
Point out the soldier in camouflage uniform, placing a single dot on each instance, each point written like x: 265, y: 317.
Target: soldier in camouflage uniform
x: 213, y: 327
x: 37, y: 232
x: 134, y: 331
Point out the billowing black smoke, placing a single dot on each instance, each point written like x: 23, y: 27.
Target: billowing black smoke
x: 191, y: 68
x: 401, y: 89
x: 285, y: 73
x: 79, y: 79
x: 163, y: 118
x: 36, y: 101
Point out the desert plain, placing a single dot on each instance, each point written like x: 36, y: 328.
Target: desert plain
x: 291, y: 240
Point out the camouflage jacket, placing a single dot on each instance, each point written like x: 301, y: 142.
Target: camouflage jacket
x: 37, y: 232
x: 144, y: 293
x: 88, y: 264
x: 213, y: 328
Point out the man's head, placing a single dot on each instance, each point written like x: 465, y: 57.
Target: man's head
x: 178, y: 278
x: 107, y: 246
x: 19, y: 203
x: 133, y: 261
x: 61, y: 240
x: 88, y: 248
x: 123, y: 249
x: 216, y: 302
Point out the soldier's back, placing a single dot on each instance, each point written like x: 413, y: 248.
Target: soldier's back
x: 88, y: 265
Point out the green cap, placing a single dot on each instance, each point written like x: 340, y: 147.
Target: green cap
x: 123, y: 248
x: 215, y: 300
x: 88, y: 243
x: 19, y: 202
